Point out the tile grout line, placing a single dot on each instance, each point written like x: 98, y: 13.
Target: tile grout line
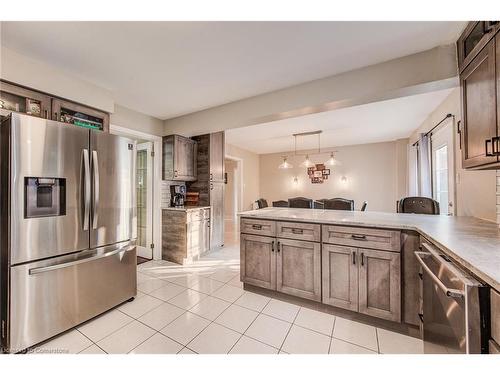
x: 331, y: 335
x: 289, y: 329
x: 243, y: 334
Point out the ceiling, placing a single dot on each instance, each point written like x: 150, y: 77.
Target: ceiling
x: 167, y: 69
x: 369, y: 123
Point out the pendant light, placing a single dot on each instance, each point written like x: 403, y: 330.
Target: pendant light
x: 285, y: 164
x: 332, y: 161
x: 307, y: 163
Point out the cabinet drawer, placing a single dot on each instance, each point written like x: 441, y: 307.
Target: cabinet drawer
x: 260, y: 227
x: 379, y: 239
x: 495, y: 315
x: 298, y: 231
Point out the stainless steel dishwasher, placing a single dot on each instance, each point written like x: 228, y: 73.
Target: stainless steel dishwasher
x: 454, y: 309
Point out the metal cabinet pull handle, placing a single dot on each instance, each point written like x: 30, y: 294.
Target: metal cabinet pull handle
x: 358, y: 237
x: 362, y: 259
x: 272, y: 246
x: 487, y: 153
x: 297, y: 231
x: 256, y: 226
x: 175, y: 174
x: 278, y: 246
x: 354, y: 257
x: 495, y: 149
x: 95, y: 206
x: 86, y: 188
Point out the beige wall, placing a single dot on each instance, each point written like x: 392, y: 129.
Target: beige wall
x: 230, y: 193
x: 421, y: 72
x: 131, y: 119
x: 475, y: 190
x: 373, y: 171
x: 250, y: 170
x: 32, y: 73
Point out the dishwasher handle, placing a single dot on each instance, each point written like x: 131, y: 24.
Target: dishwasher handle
x: 449, y: 292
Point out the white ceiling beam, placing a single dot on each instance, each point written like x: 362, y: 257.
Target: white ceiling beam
x: 422, y: 72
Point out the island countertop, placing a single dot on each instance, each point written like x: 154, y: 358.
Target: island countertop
x: 472, y: 242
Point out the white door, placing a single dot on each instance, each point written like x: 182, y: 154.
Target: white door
x: 144, y: 186
x: 443, y: 168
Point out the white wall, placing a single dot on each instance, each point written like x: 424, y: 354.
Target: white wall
x: 131, y: 119
x: 417, y: 73
x: 373, y: 172
x: 250, y: 169
x: 476, y: 190
x: 40, y: 76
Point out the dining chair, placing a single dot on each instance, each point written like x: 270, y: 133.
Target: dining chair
x: 338, y: 204
x: 261, y: 203
x: 280, y: 204
x: 300, y: 202
x: 418, y: 205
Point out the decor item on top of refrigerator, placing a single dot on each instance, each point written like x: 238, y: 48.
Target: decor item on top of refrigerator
x: 67, y: 224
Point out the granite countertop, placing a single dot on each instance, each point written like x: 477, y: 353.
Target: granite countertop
x: 472, y: 242
x: 185, y: 208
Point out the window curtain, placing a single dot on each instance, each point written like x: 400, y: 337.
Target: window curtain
x: 412, y: 171
x: 424, y: 166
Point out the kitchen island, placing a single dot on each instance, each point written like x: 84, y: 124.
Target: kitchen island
x: 364, y: 263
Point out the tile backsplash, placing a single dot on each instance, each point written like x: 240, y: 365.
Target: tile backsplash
x: 165, y: 191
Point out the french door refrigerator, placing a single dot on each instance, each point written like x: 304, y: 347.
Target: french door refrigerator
x: 67, y: 227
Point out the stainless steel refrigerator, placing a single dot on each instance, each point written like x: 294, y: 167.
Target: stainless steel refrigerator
x: 67, y: 227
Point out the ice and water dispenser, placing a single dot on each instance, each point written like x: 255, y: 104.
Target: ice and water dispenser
x: 44, y: 197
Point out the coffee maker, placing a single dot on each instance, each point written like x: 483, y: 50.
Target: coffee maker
x: 177, y: 195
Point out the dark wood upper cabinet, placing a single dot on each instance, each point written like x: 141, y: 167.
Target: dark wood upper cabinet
x: 15, y: 98
x: 80, y: 115
x: 473, y: 39
x: 179, y: 158
x: 479, y: 86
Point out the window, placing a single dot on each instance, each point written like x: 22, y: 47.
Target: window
x: 441, y: 178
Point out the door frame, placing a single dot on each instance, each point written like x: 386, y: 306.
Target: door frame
x: 157, y: 179
x: 240, y: 187
x: 448, y: 126
x: 147, y: 252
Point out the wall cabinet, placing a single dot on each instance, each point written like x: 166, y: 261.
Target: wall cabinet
x: 77, y: 114
x: 179, y: 158
x: 479, y: 58
x: 15, y: 98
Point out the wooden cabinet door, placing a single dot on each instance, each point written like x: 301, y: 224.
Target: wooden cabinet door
x: 216, y: 214
x: 258, y: 261
x: 298, y: 268
x: 479, y: 109
x: 184, y: 159
x: 340, y: 276
x: 217, y: 155
x: 380, y: 284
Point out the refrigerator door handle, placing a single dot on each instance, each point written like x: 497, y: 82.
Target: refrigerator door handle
x: 86, y: 189
x: 95, y: 178
x: 38, y: 270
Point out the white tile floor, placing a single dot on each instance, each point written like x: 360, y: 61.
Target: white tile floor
x: 202, y: 308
